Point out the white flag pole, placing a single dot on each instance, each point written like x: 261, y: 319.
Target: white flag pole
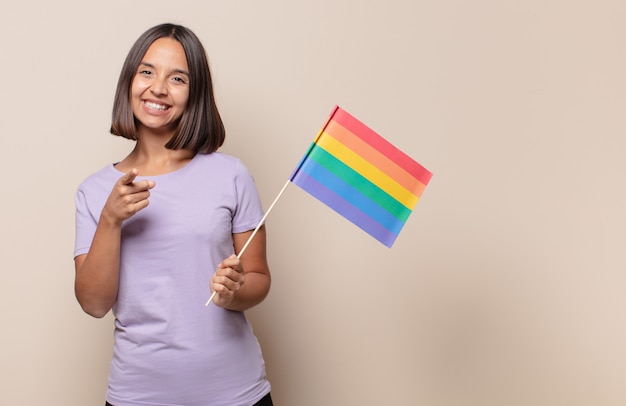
x: 256, y: 229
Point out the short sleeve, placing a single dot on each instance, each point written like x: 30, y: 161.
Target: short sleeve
x: 249, y: 210
x: 85, y: 225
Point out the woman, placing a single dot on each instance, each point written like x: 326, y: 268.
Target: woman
x: 157, y: 233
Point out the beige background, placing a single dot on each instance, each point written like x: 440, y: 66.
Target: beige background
x: 506, y: 286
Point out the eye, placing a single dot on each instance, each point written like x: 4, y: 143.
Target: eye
x: 179, y: 79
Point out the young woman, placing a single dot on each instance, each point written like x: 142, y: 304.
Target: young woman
x: 158, y: 232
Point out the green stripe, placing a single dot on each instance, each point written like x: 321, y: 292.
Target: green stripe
x: 360, y: 183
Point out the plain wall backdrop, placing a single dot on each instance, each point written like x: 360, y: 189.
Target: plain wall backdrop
x: 506, y: 286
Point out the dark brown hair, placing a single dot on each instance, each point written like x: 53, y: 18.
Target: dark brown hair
x: 200, y: 128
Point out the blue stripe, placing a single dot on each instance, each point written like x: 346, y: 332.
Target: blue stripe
x: 353, y: 196
x: 344, y: 208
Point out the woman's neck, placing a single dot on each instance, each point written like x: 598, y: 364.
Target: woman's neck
x: 150, y: 159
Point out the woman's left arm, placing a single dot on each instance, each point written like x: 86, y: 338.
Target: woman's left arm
x: 242, y: 283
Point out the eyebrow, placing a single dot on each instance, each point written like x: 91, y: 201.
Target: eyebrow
x: 148, y: 64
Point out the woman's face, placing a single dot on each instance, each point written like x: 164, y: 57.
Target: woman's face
x: 160, y: 88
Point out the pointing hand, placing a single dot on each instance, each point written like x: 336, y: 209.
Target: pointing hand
x: 127, y: 197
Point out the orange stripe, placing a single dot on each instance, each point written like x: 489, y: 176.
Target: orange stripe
x: 373, y: 156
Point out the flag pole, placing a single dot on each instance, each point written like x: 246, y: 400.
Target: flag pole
x: 256, y: 229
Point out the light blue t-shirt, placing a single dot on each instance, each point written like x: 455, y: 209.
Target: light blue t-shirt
x: 170, y: 349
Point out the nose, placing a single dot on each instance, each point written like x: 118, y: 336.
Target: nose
x: 159, y: 87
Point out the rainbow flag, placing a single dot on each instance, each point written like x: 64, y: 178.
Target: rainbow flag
x: 361, y: 176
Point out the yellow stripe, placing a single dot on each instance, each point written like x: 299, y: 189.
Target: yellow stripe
x: 367, y: 170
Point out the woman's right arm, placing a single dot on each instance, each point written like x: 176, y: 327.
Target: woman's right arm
x: 97, y: 272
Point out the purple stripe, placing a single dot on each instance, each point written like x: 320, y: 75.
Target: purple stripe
x: 347, y: 210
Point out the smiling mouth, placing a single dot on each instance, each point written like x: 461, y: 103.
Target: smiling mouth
x: 156, y: 106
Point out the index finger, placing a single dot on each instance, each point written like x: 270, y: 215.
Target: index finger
x: 231, y: 262
x: 129, y: 177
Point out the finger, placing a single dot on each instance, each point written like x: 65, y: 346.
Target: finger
x: 136, y: 197
x: 137, y: 187
x: 140, y: 205
x: 224, y: 284
x: 129, y: 177
x: 228, y: 272
x: 232, y: 262
x: 222, y: 296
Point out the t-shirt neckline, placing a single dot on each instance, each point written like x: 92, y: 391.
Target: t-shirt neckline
x: 172, y: 173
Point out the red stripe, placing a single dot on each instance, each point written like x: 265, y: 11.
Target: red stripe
x: 379, y: 143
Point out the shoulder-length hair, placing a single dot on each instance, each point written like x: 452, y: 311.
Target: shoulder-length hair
x: 200, y: 128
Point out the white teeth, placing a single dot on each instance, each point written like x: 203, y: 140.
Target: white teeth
x: 155, y: 106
